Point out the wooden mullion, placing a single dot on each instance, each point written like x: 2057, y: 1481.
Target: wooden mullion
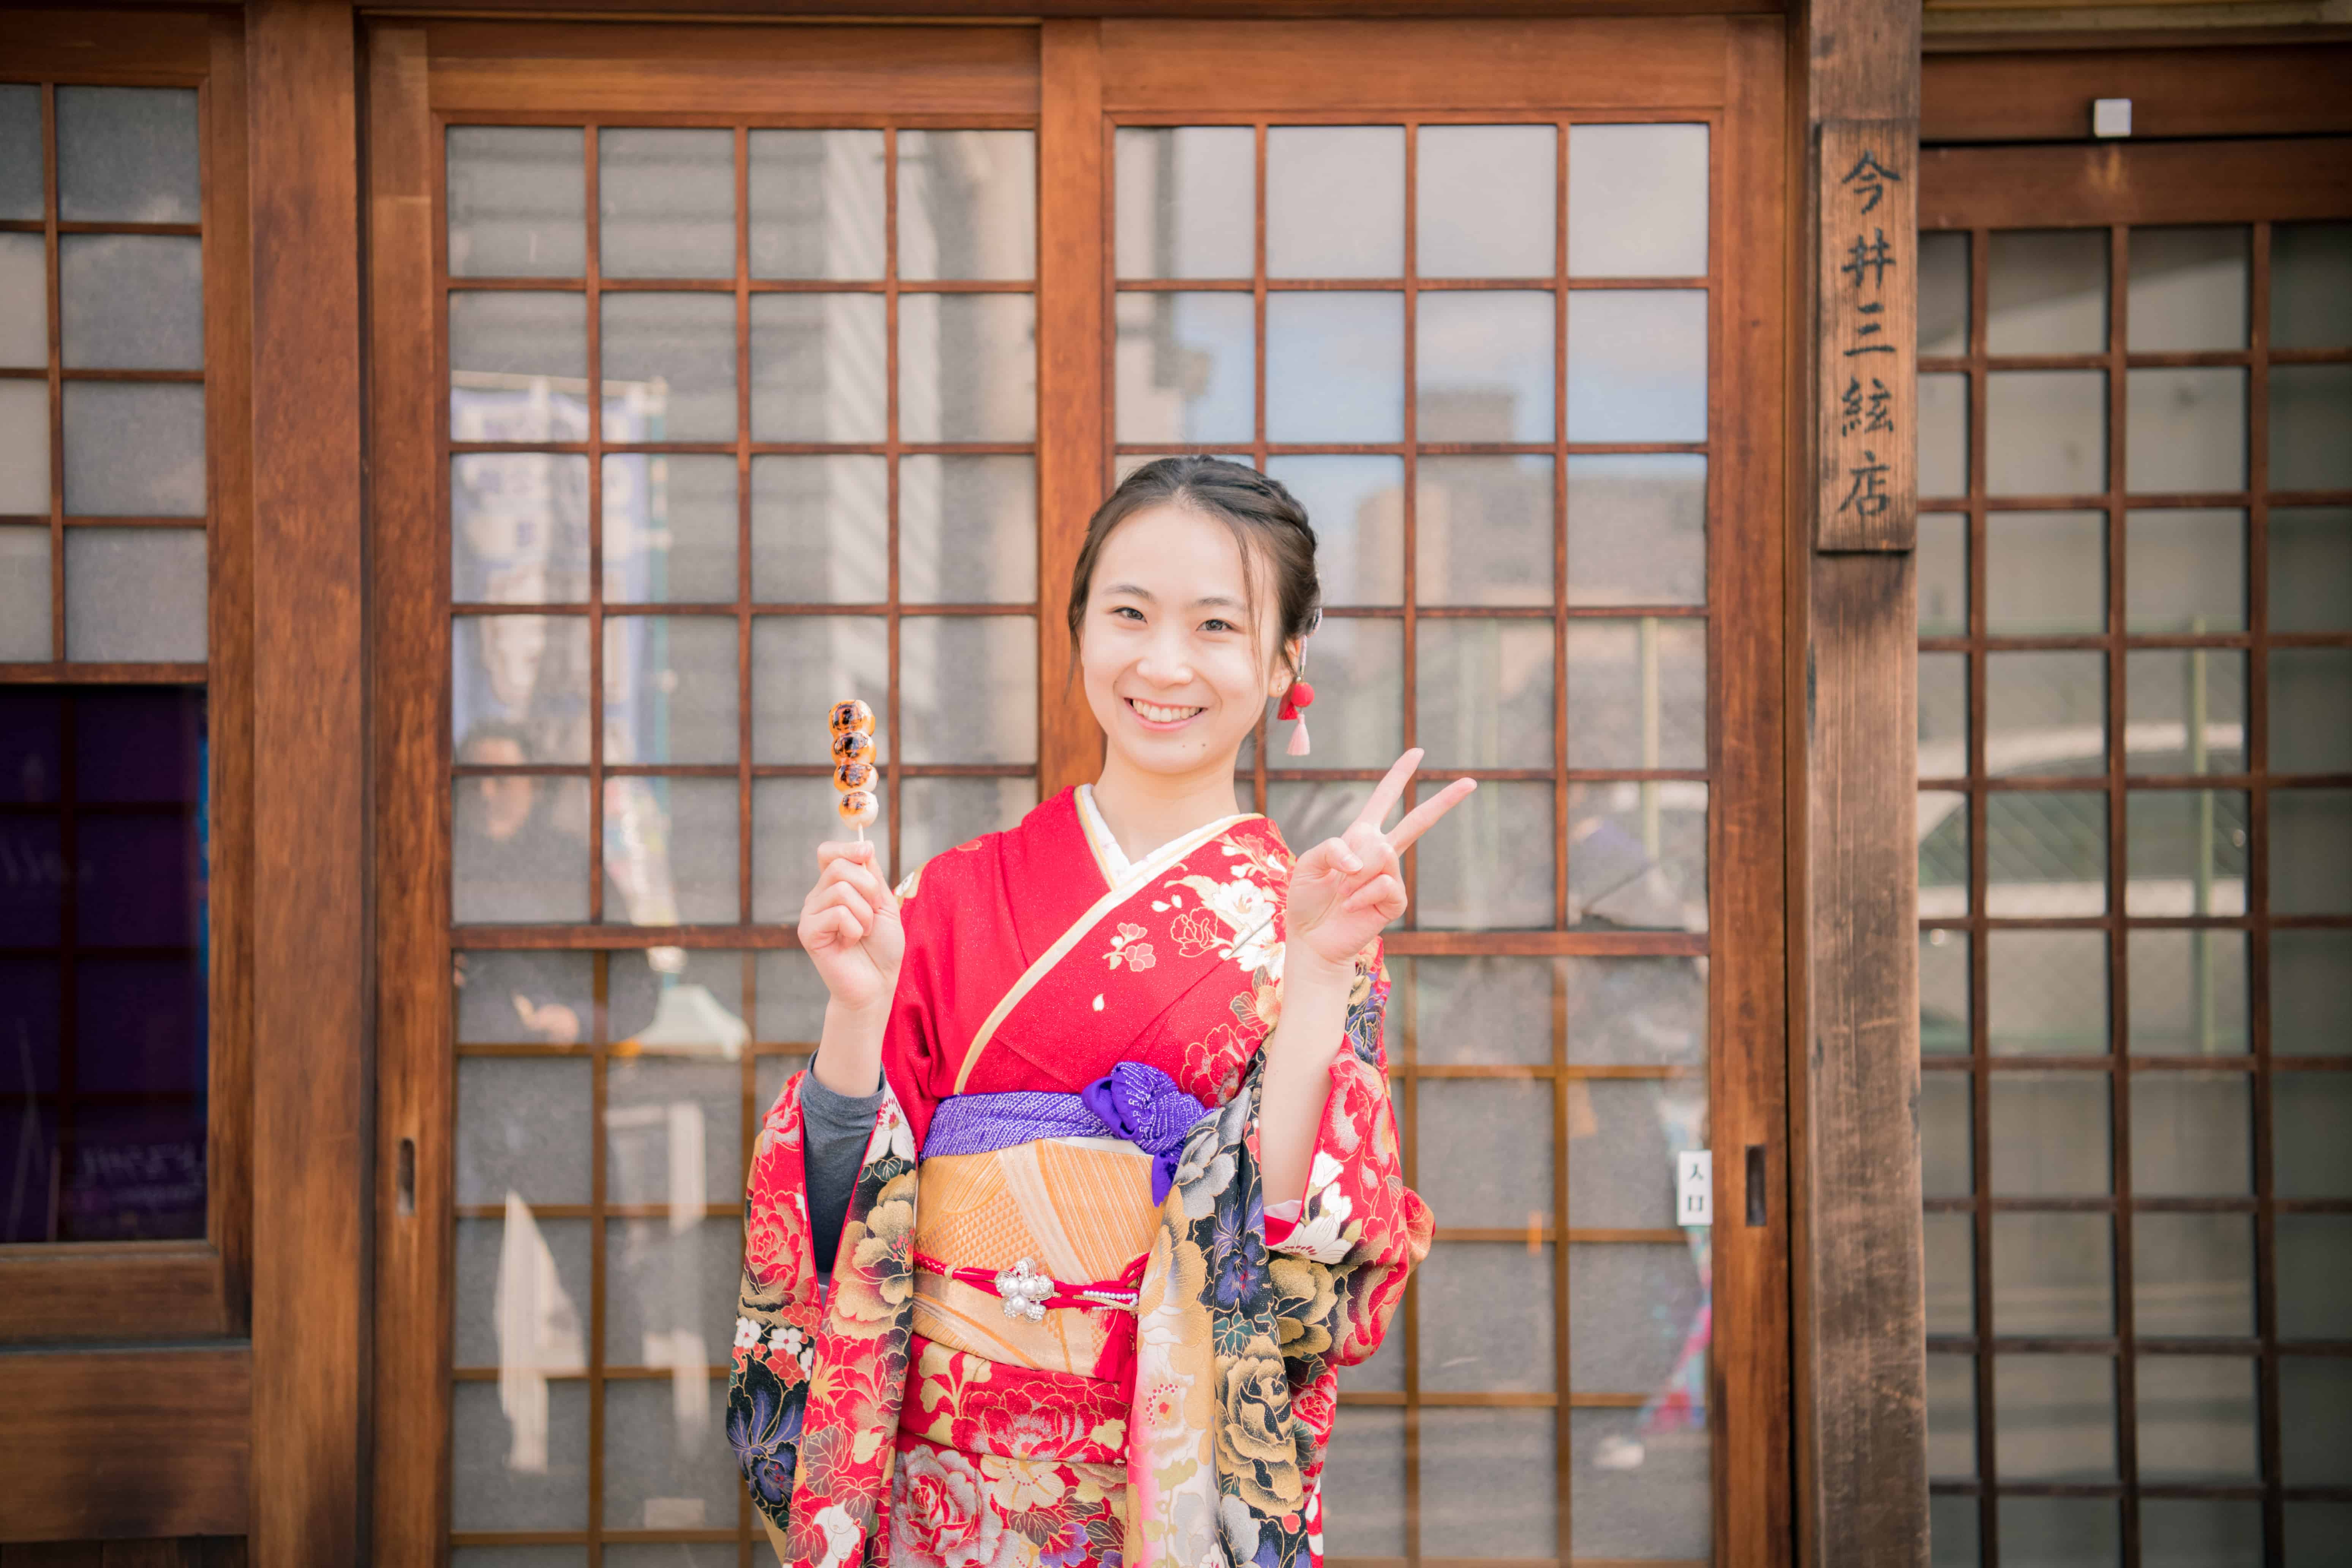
x: 895, y: 799
x: 591, y: 275
x: 56, y: 312
x: 1264, y: 734
x: 2127, y: 1381
x: 1979, y: 989
x: 744, y: 856
x: 1409, y: 505
x: 1560, y: 570
x: 599, y: 1272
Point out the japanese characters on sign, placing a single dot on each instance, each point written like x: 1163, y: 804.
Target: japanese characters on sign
x: 1866, y: 306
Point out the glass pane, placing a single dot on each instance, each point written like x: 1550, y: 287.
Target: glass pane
x: 518, y: 527
x: 800, y: 663
x: 2059, y: 1531
x: 2315, y: 1420
x: 24, y: 449
x: 2046, y: 853
x: 820, y: 529
x: 967, y: 204
x: 520, y: 689
x: 1484, y: 693
x: 1484, y: 535
x: 791, y: 997
x: 967, y: 367
x: 1484, y: 366
x: 2192, y: 1135
x: 663, y: 1468
x: 1335, y: 367
x: 1487, y: 1318
x: 2311, y: 710
x: 2047, y: 993
x: 1636, y: 855
x: 1950, y: 1243
x: 2311, y: 992
x: 2311, y: 407
x: 2187, y: 710
x: 2050, y: 1134
x: 20, y: 152
x: 1489, y: 1011
x: 2053, y: 1420
x: 515, y: 343
x: 968, y: 689
x: 1952, y: 1527
x: 1363, y: 1485
x: 2048, y: 292
x: 669, y: 529
x: 2189, y: 288
x: 1943, y: 1006
x: 1636, y: 530
x: 1640, y: 1483
x: 1335, y: 200
x: 1187, y: 368
x: 2046, y: 432
x: 1637, y: 201
x: 2196, y: 1418
x: 520, y: 1462
x: 943, y: 813
x: 817, y: 367
x: 1637, y: 366
x: 967, y: 530
x: 134, y: 450
x: 2186, y: 570
x: 2310, y: 569
x: 2045, y: 573
x: 1186, y: 201
x: 1633, y: 1306
x: 2310, y: 286
x: 673, y: 357
x: 2311, y: 851
x: 2188, y: 993
x: 1944, y: 434
x: 2199, y: 1532
x: 670, y: 688
x: 816, y: 204
x: 25, y: 629
x: 1943, y: 566
x: 128, y: 155
x: 2309, y: 1155
x: 24, y: 301
x: 790, y: 817
x: 1947, y: 1152
x: 2315, y: 1257
x: 1461, y: 1113
x: 1357, y: 508
x: 1489, y: 201
x: 519, y: 846
x: 553, y: 1250
x: 2187, y: 429
x: 1636, y: 1011
x: 2053, y: 1274
x: 1488, y: 1481
x: 2193, y: 1274
x: 1943, y: 721
x: 130, y: 301
x: 2045, y: 713
x: 1636, y: 693
x: 2185, y: 852
x: 530, y: 997
x: 522, y: 1132
x: 135, y: 595
x: 1944, y: 294
x: 518, y: 200
x: 671, y: 1135
x: 665, y: 203
x: 1490, y: 865
x: 1621, y: 1147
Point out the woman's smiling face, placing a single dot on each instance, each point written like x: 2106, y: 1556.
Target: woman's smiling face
x: 1174, y: 672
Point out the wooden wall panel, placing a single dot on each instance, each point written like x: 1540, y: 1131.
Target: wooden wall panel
x: 152, y: 1442
x: 2044, y: 95
x: 311, y: 955
x: 179, y: 1551
x: 2103, y: 182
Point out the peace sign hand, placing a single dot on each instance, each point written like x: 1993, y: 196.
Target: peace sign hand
x: 1344, y: 890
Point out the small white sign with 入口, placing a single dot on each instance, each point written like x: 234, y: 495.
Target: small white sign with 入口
x: 1693, y: 1187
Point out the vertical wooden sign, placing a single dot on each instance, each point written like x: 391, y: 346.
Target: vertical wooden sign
x: 1866, y: 305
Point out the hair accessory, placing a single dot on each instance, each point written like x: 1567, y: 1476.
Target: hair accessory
x: 1295, y: 699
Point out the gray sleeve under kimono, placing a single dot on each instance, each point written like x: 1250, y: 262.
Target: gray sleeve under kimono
x: 833, y: 1133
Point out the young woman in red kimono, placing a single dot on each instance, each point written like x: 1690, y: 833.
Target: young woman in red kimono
x: 1052, y: 1256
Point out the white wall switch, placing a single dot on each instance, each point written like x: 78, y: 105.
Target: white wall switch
x: 2111, y: 117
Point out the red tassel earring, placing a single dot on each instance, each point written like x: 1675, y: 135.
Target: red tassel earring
x: 1297, y: 698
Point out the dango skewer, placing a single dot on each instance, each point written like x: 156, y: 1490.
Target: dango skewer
x: 854, y: 773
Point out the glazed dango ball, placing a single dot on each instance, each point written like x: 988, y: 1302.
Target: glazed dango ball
x: 853, y: 746
x: 853, y: 775
x: 859, y: 806
x: 852, y: 717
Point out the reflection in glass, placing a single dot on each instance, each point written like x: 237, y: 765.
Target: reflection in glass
x: 2310, y: 1157
x: 2310, y: 569
x: 2186, y: 570
x: 1943, y: 1006
x: 1186, y: 205
x: 522, y: 1124
x: 2196, y: 1418
x: 967, y: 367
x: 1482, y: 531
x: 665, y: 203
x: 2047, y: 993
x: 2046, y: 852
x: 1483, y: 364
x: 2063, y: 1532
x: 1637, y: 203
x: 790, y: 817
x: 2315, y: 1421
x: 518, y: 201
x: 2045, y: 573
x: 968, y: 689
x: 1951, y: 1413
x: 2187, y: 429
x: 133, y: 450
x: 1943, y: 719
x: 518, y: 1460
x: 1490, y: 861
x: 2311, y: 285
x: 1621, y: 1153
x: 1334, y: 367
x: 792, y: 656
x: 967, y: 530
x: 2054, y: 1419
x: 135, y: 595
x: 2311, y: 407
x: 130, y: 301
x: 967, y: 204
x: 2311, y: 851
x: 1636, y: 855
x: 1632, y: 1306
x: 670, y: 688
x: 1187, y: 367
x: 676, y: 352
x: 513, y: 341
x: 2311, y: 992
x: 2189, y: 288
x: 2048, y: 292
x: 1485, y: 1010
x: 2050, y: 1134
x: 816, y: 204
x: 819, y: 528
x: 1638, y: 1484
x: 518, y: 845
x: 1335, y: 200
x: 2185, y: 852
x: 2188, y: 993
x: 1637, y: 365
x: 669, y: 528
x: 2187, y: 711
x: 2315, y: 1254
x: 1488, y: 201
x: 128, y: 155
x: 2311, y: 710
x: 1636, y: 529
x: 1486, y: 1318
x: 1357, y: 505
x: 1943, y: 568
x: 665, y: 1465
x: 2193, y: 1275
x: 1484, y: 693
x: 2045, y: 713
x: 817, y: 367
x: 1636, y: 693
x: 1944, y: 292
x: 1464, y: 1113
x: 1490, y: 1483
x: 1947, y: 1152
x: 1949, y: 1242
x: 2200, y: 1533
x: 529, y: 996
x: 523, y: 679
x: 2192, y: 1135
x: 2053, y: 1274
x: 1364, y: 657
x: 1942, y: 435
x: 1636, y: 1011
x: 2046, y: 432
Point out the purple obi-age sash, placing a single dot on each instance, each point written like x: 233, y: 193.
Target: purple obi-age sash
x: 1135, y: 1102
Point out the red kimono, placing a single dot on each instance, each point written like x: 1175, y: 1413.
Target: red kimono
x: 1163, y: 1392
